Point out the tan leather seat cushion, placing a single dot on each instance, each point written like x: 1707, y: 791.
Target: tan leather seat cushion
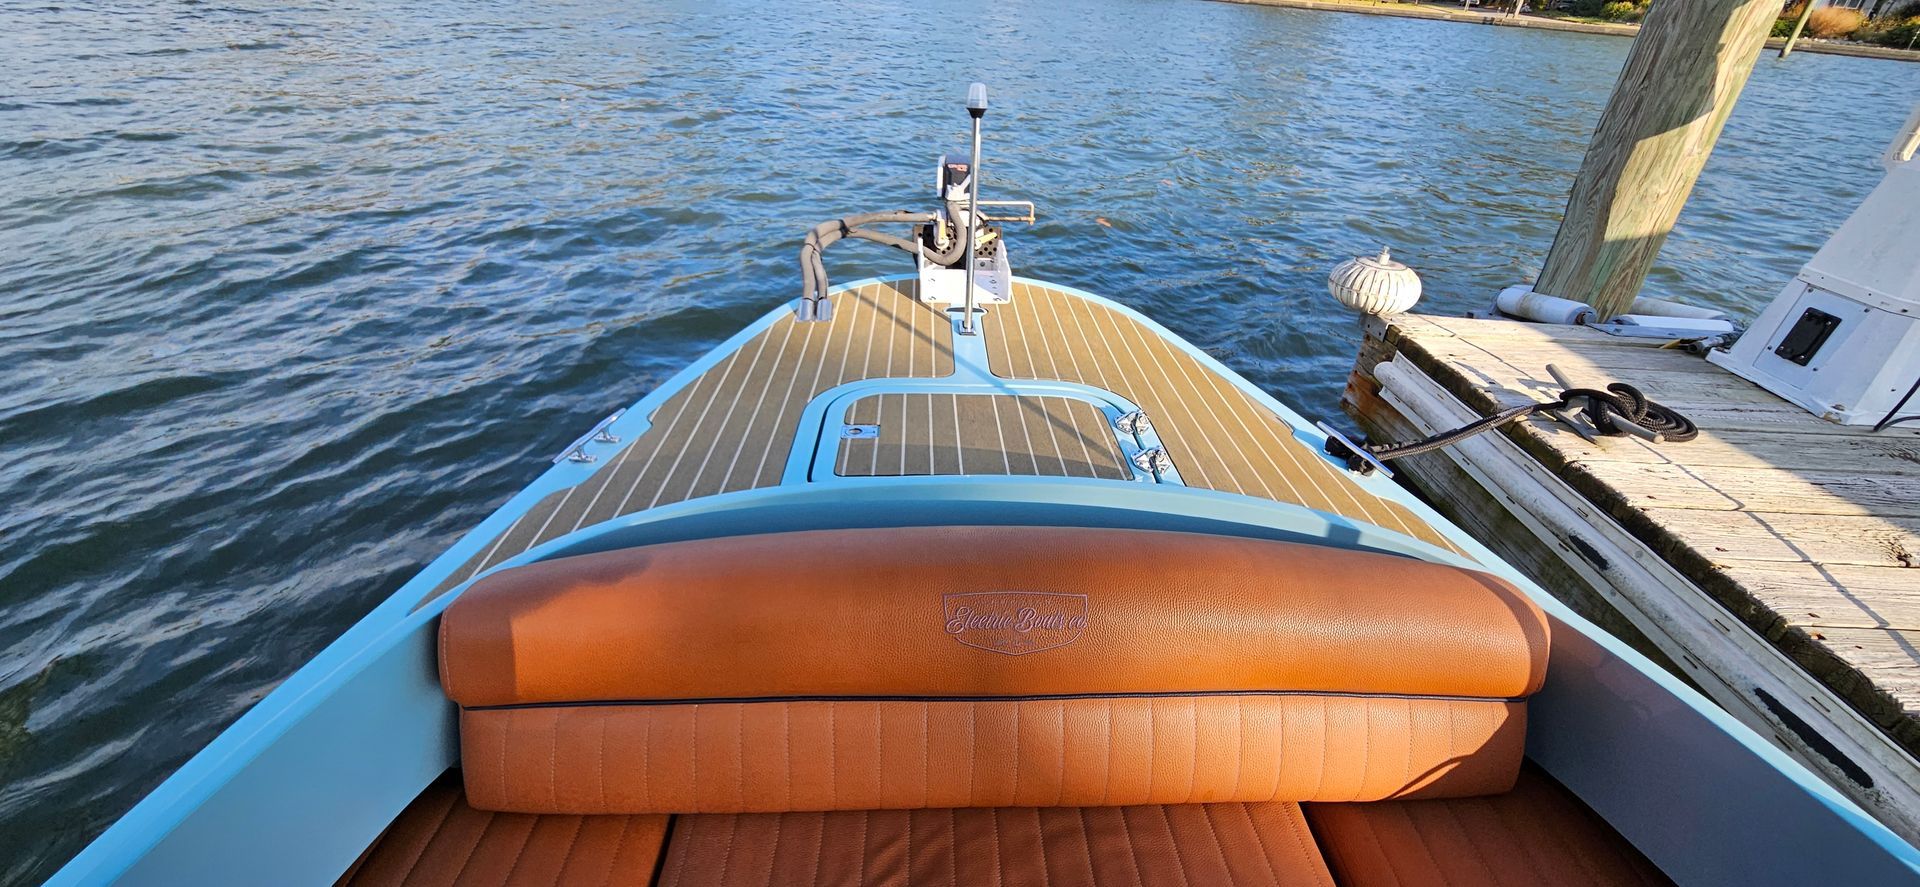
x: 440, y: 840
x: 1253, y: 845
x: 1538, y: 833
x: 866, y: 755
x: 931, y: 667
x: 915, y: 612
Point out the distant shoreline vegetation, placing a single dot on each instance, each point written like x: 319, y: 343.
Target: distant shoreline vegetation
x: 1899, y: 27
x: 1895, y: 33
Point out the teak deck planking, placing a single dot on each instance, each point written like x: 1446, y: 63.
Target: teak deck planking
x: 733, y: 427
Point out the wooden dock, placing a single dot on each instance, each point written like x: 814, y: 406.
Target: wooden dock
x: 1774, y: 562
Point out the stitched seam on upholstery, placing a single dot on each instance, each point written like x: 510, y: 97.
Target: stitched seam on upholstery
x: 1016, y: 754
x: 646, y: 754
x: 993, y: 819
x: 681, y: 853
x: 953, y: 848
x: 619, y: 844
x: 1219, y: 849
x: 1086, y: 844
x: 1407, y: 774
x: 1152, y: 749
x: 926, y: 758
x: 786, y: 752
x: 1366, y: 825
x: 973, y: 758
x: 879, y: 757
x: 506, y: 734
x: 579, y: 824
x: 1453, y: 743
x: 665, y: 849
x: 1514, y: 837
x: 773, y: 857
x: 694, y: 747
x: 726, y: 856
x: 740, y: 757
x: 1106, y: 790
x: 1302, y: 833
x: 909, y: 833
x: 1424, y: 838
x: 1280, y: 750
x: 1326, y: 741
x: 1133, y: 849
x: 1239, y: 742
x: 1366, y: 740
x: 600, y: 763
x: 1260, y: 840
x: 865, y: 818
x: 819, y: 847
x: 1472, y: 844
x: 1193, y: 759
x: 467, y: 860
x: 1179, y: 859
x: 553, y: 764
x: 1060, y: 797
x: 833, y: 772
x: 431, y: 835
x: 1046, y: 861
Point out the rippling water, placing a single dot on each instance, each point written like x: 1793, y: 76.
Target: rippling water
x: 292, y: 295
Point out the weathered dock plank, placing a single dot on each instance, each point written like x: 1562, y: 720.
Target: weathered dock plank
x: 1809, y: 491
x: 1755, y: 449
x: 1801, y: 538
x: 1774, y: 561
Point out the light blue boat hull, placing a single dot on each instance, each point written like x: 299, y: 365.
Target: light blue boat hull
x: 297, y: 788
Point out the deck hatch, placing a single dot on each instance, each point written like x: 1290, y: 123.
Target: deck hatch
x: 919, y: 434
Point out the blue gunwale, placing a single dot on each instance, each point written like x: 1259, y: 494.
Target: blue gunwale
x: 357, y: 731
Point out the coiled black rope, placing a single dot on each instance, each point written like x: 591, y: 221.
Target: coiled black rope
x: 1619, y: 399
x: 1635, y: 407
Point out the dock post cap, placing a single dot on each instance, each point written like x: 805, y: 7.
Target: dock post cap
x: 977, y: 99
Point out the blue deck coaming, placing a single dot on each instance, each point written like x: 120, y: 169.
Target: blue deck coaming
x: 356, y: 733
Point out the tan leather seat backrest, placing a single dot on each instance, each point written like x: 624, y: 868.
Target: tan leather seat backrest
x: 984, y: 666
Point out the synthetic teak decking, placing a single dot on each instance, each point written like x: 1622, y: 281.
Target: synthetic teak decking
x: 731, y: 428
x: 734, y: 426
x: 1219, y: 436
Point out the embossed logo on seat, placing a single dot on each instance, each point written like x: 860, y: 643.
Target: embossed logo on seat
x: 1015, y: 622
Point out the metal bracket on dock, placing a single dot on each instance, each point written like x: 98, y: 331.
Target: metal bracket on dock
x: 599, y: 434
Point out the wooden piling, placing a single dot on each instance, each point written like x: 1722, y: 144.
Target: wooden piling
x: 1675, y: 91
x: 1799, y: 24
